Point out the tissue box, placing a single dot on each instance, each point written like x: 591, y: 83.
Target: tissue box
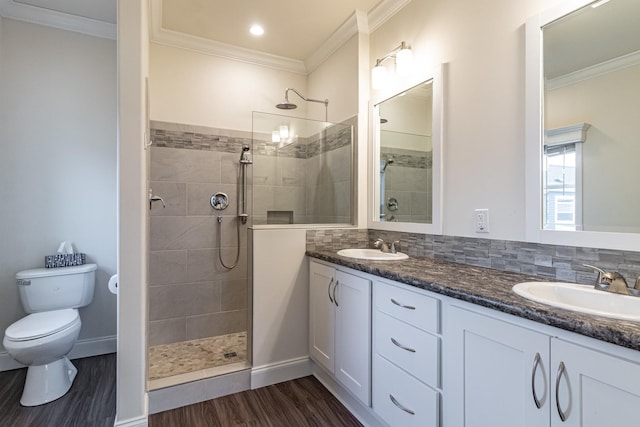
x: 64, y: 260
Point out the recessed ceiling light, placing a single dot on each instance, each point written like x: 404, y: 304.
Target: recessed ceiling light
x: 256, y: 30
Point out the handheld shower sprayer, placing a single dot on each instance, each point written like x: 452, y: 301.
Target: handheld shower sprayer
x: 244, y: 156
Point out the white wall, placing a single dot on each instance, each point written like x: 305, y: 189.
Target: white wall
x: 133, y: 233
x: 484, y: 160
x: 280, y: 296
x: 58, y: 161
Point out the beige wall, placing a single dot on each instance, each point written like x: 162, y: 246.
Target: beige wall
x: 206, y: 90
x: 609, y: 103
x: 336, y: 79
x: 58, y: 162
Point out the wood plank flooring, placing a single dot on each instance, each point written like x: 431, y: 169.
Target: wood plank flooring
x: 90, y: 402
x: 299, y: 403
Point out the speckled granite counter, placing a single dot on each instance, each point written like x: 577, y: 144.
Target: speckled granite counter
x: 490, y: 288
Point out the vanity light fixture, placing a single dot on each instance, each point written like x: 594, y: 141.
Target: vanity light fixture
x: 403, y: 58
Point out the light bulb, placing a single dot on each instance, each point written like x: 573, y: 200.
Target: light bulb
x: 284, y: 132
x: 404, y: 60
x: 275, y: 136
x: 378, y: 77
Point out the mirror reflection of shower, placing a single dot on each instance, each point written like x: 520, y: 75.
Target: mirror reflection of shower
x: 383, y: 167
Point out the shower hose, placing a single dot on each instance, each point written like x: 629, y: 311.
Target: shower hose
x: 220, y: 244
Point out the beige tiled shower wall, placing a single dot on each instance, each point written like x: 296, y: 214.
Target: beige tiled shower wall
x: 409, y: 180
x: 191, y: 295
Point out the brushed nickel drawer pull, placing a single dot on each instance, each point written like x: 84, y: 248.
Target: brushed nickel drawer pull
x: 397, y: 344
x: 562, y: 415
x: 395, y: 402
x: 536, y: 363
x: 408, y: 307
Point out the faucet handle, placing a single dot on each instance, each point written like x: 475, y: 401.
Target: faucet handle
x: 394, y: 249
x: 602, y: 275
x: 381, y: 244
x: 637, y: 285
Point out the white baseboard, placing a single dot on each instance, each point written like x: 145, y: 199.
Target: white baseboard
x: 275, y: 373
x: 83, y: 348
x: 132, y: 422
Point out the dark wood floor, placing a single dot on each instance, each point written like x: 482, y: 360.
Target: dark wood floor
x: 298, y: 403
x: 90, y: 402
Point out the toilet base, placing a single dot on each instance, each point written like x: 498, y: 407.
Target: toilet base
x: 46, y: 383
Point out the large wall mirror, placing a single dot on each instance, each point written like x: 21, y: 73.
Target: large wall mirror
x: 583, y: 104
x: 406, y: 159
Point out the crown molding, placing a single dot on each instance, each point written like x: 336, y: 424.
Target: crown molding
x: 51, y: 18
x: 615, y: 64
x: 356, y: 23
x: 384, y: 11
x: 211, y: 47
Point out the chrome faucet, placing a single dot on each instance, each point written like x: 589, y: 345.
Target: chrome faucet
x: 381, y: 244
x: 612, y: 282
x: 384, y: 247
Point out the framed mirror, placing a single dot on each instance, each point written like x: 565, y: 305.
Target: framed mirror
x: 406, y: 155
x: 582, y: 105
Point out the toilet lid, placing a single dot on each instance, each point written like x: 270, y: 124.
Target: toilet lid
x: 38, y: 325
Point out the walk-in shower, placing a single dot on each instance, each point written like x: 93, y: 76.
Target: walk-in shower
x: 199, y: 287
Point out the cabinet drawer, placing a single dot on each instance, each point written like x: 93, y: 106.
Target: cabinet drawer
x: 421, y: 353
x: 390, y: 382
x: 411, y: 307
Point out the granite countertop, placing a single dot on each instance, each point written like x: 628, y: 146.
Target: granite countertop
x: 490, y: 288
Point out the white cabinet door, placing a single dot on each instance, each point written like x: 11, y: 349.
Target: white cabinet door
x: 322, y: 315
x: 353, y: 334
x: 495, y: 372
x: 594, y: 389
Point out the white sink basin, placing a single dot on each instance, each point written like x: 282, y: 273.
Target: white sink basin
x: 372, y: 254
x: 583, y: 298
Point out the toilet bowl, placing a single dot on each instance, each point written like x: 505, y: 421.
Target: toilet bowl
x: 41, y: 341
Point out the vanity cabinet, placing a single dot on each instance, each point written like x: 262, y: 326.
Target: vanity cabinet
x: 594, y: 389
x: 504, y: 374
x: 340, y: 327
x: 406, y: 356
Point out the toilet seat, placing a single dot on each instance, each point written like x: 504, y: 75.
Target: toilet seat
x: 43, y: 324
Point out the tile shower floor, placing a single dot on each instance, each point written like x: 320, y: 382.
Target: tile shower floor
x: 169, y: 360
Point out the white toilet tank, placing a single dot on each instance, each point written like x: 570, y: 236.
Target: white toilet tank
x: 44, y: 289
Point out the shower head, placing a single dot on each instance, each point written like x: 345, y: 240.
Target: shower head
x: 244, y: 156
x: 286, y: 105
x: 387, y: 162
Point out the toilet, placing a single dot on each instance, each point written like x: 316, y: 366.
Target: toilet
x: 42, y: 339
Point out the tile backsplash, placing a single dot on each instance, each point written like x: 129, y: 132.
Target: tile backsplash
x: 562, y: 263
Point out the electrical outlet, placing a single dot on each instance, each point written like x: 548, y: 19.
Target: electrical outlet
x: 482, y: 220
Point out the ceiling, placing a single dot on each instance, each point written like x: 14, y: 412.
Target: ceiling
x: 294, y: 29
x: 591, y: 36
